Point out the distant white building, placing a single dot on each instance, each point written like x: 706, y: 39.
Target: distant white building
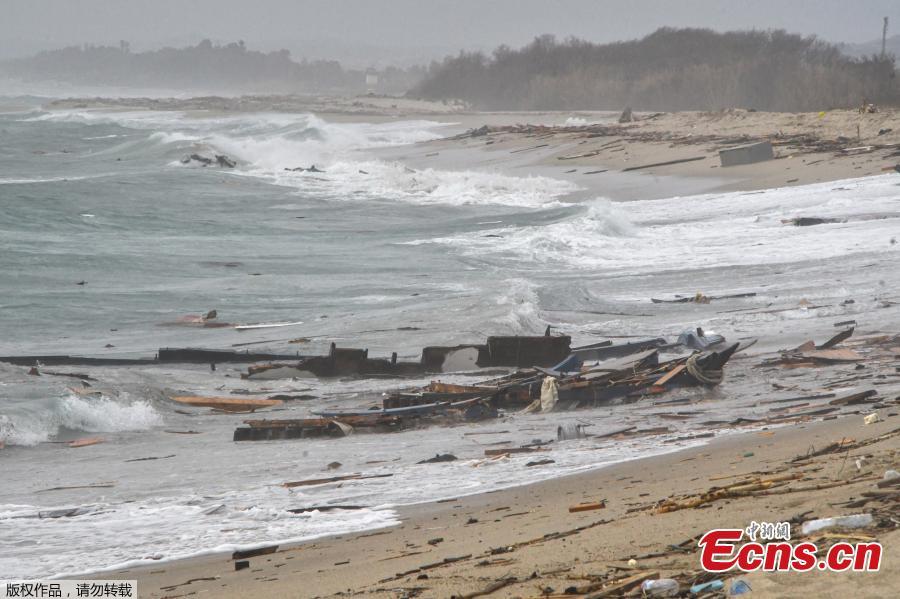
x: 371, y: 80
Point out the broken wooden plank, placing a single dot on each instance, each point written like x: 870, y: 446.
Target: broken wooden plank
x: 670, y: 375
x: 624, y: 585
x: 844, y: 443
x: 91, y: 486
x: 666, y: 163
x: 700, y: 298
x: 228, y: 404
x: 254, y: 552
x: 855, y: 398
x: 614, y: 433
x: 586, y: 507
x: 86, y: 441
x: 832, y: 355
x: 490, y: 589
x: 842, y: 336
x: 530, y: 148
x: 325, y: 508
x: 147, y: 459
x: 373, y: 419
x: 330, y: 479
x: 496, y: 452
x: 574, y: 156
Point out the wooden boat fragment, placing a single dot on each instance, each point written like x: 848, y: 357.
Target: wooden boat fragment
x: 228, y: 404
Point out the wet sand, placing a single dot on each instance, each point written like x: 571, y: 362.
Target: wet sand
x: 650, y: 139
x: 628, y: 527
x: 676, y: 136
x: 368, y: 563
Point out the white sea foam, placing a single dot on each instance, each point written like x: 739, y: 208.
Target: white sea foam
x: 713, y: 230
x: 270, y: 144
x: 172, y: 137
x: 162, y: 528
x: 367, y: 180
x: 521, y: 300
x: 173, y: 508
x: 27, y: 181
x: 101, y: 415
x: 88, y: 414
x: 266, y: 144
x: 132, y: 119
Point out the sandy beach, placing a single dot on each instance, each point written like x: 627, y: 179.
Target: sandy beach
x: 450, y: 300
x: 804, y: 148
x: 523, y: 541
x: 516, y: 533
x: 809, y: 147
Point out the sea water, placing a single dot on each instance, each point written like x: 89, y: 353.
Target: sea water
x: 106, y: 238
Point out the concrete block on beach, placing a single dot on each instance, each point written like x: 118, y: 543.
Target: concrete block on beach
x: 747, y: 154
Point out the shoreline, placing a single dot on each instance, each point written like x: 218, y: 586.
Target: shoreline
x: 365, y: 561
x: 808, y: 147
x: 633, y: 160
x: 514, y: 153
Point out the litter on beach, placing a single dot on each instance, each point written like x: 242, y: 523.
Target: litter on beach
x: 562, y: 318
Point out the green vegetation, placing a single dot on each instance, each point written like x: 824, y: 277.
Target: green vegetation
x: 670, y: 69
x: 206, y: 66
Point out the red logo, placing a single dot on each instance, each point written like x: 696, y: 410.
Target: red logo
x: 721, y: 550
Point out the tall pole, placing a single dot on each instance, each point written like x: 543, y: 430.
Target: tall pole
x: 884, y: 37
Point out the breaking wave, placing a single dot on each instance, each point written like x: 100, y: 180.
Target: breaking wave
x: 522, y: 301
x: 93, y: 415
x: 593, y: 230
x: 167, y: 528
x: 708, y: 231
x: 19, y: 181
x: 393, y: 180
x: 265, y: 145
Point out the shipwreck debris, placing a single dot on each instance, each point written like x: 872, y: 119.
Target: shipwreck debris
x: 699, y: 298
x: 699, y: 340
x: 585, y: 507
x: 86, y: 441
x: 515, y: 351
x: 254, y: 552
x: 811, y: 355
x: 218, y: 159
x: 573, y: 383
x: 747, y: 154
x: 810, y: 221
x: 332, y: 479
x: 227, y: 404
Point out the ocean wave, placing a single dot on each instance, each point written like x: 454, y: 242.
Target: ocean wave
x: 173, y: 137
x: 95, y: 137
x: 169, y: 528
x: 708, y: 231
x: 521, y: 300
x: 272, y: 144
x: 394, y: 181
x: 591, y: 228
x: 164, y: 528
x: 134, y: 119
x: 29, y: 181
x: 88, y: 414
x: 265, y: 145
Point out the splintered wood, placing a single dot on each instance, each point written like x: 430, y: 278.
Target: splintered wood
x: 585, y: 507
x: 227, y: 404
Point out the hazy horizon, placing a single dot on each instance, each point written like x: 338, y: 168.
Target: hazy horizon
x: 405, y: 32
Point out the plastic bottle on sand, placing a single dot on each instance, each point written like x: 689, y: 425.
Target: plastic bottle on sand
x: 854, y: 521
x: 664, y: 587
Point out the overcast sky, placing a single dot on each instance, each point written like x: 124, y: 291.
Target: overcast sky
x: 384, y: 31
